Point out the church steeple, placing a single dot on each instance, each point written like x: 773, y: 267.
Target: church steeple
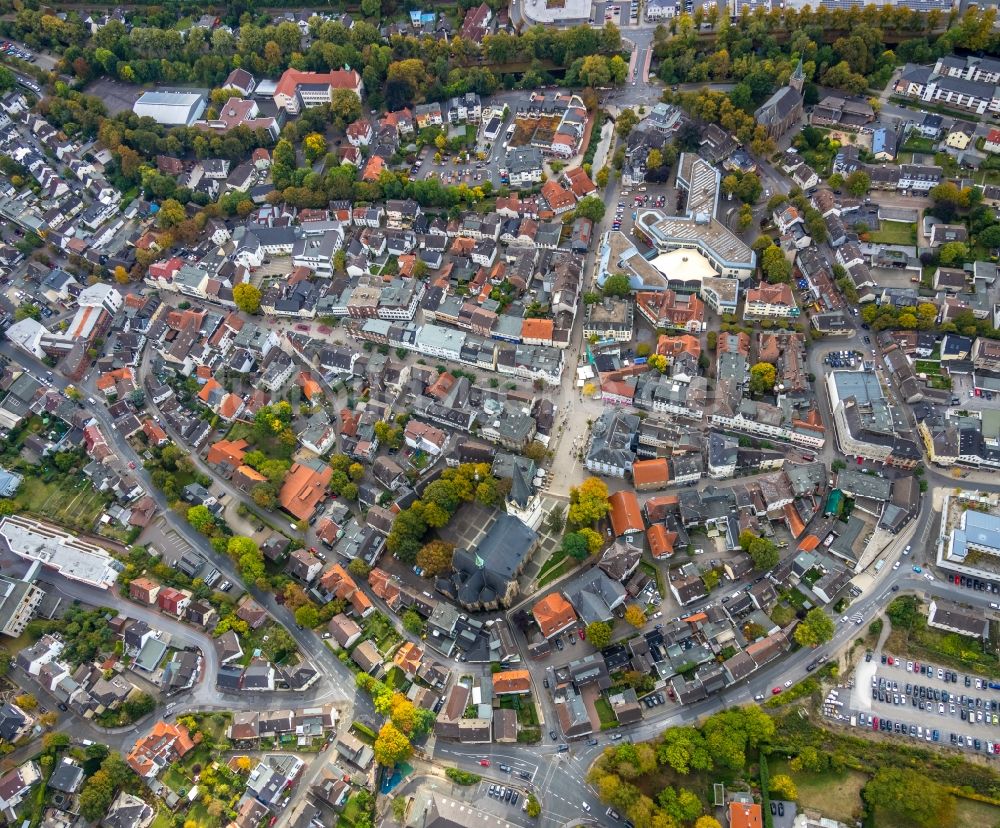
x: 797, y: 79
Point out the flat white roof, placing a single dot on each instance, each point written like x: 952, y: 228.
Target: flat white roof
x: 71, y: 557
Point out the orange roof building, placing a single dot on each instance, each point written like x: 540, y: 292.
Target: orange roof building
x: 795, y: 524
x: 673, y: 346
x: 553, y: 614
x: 557, y: 197
x: 373, y: 169
x: 661, y: 541
x: 745, y: 815
x: 227, y: 452
x: 156, y: 435
x: 231, y: 406
x: 626, y: 516
x: 408, y: 658
x: 340, y: 584
x: 165, y: 744
x: 310, y: 388
x: 206, y: 390
x: 303, y: 489
x: 512, y: 682
x: 537, y: 331
x: 650, y: 474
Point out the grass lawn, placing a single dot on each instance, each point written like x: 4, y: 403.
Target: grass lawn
x: 350, y: 815
x: 527, y: 716
x: 970, y: 812
x: 163, y: 819
x: 917, y: 144
x: 836, y: 795
x: 382, y: 632
x: 928, y: 367
x: 175, y: 780
x: 270, y: 447
x: 782, y: 615
x: 950, y: 649
x: 198, y: 813
x: 75, y: 505
x: 894, y: 232
x: 605, y: 713
x: 551, y: 573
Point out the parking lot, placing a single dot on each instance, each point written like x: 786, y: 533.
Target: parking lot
x: 472, y: 171
x: 914, y: 701
x: 628, y: 207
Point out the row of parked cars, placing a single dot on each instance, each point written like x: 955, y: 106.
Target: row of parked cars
x: 969, y: 582
x: 504, y: 794
x: 13, y: 50
x: 653, y: 700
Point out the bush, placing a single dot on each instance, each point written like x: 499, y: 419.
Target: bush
x: 461, y: 777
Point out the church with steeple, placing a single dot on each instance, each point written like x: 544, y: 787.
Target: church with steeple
x: 783, y: 109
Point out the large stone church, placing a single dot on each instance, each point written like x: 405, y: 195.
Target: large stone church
x: 784, y: 108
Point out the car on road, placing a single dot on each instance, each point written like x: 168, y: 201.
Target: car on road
x: 759, y: 697
x: 917, y: 569
x: 504, y: 768
x: 586, y: 806
x: 788, y: 683
x: 484, y: 762
x: 775, y: 691
x: 552, y: 735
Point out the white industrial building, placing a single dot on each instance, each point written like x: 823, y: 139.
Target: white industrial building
x: 170, y: 108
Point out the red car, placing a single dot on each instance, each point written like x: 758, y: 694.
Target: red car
x: 484, y: 762
x: 775, y: 691
x: 891, y: 662
x: 581, y: 633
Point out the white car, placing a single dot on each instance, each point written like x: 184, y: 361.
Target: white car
x: 788, y: 683
x: 909, y: 666
x: 586, y: 807
x: 896, y: 565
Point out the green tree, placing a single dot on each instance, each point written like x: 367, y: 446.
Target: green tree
x: 762, y: 378
x: 391, y: 746
x: 858, y: 183
x: 247, y: 297
x: 591, y: 208
x: 314, y: 146
x: 908, y: 797
x: 593, y: 539
x: 617, y: 285
x: 435, y: 557
x: 776, y: 267
x: 626, y: 121
x: 534, y: 808
x: 588, y: 502
x: 412, y: 622
x: 27, y: 310
x: 358, y: 568
x: 170, y: 214
x: 307, y: 616
x: 783, y: 787
x: 575, y: 545
x: 815, y: 629
x: 763, y: 553
x: 599, y: 634
x: 953, y: 254
x: 201, y: 519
